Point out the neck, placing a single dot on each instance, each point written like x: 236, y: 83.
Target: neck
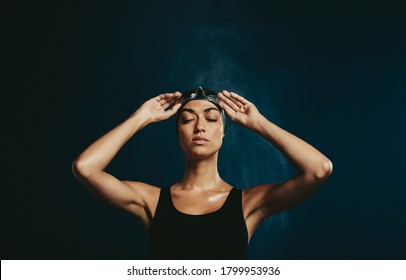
x: 201, y: 174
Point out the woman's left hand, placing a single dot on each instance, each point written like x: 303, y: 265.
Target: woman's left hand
x: 239, y: 109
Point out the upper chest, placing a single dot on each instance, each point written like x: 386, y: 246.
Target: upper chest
x: 197, y: 202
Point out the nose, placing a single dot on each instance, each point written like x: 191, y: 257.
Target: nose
x: 199, y: 126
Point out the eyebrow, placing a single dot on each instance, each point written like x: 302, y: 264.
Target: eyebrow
x: 190, y: 110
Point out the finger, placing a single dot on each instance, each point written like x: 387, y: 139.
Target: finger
x: 160, y: 97
x: 229, y: 111
x: 169, y: 99
x: 172, y: 111
x: 239, y: 98
x: 224, y: 96
x: 236, y: 101
x: 169, y: 103
x: 163, y: 98
x: 227, y: 100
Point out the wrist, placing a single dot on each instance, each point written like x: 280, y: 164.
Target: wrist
x: 140, y: 118
x: 256, y: 123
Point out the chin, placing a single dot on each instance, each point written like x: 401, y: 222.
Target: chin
x: 199, y: 154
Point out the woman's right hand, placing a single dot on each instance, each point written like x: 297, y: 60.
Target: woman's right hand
x: 155, y: 109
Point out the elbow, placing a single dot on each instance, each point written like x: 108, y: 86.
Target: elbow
x: 324, y: 170
x: 80, y: 169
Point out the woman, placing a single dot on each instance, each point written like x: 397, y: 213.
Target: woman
x: 201, y: 216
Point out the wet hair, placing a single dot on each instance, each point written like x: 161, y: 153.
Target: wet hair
x: 200, y: 94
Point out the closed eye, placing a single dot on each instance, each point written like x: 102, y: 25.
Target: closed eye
x: 184, y: 121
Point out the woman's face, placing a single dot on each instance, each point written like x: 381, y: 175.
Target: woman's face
x: 200, y: 129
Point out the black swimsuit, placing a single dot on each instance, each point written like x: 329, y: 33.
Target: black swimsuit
x: 221, y: 234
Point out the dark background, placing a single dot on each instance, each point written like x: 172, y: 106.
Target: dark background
x: 332, y: 73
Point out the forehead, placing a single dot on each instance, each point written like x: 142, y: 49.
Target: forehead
x: 199, y: 105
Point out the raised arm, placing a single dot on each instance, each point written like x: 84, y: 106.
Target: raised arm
x: 89, y: 166
x: 313, y: 167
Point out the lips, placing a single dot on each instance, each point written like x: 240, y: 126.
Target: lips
x: 199, y: 140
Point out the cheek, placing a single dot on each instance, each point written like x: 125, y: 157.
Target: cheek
x: 220, y: 128
x: 183, y: 136
x: 218, y: 134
